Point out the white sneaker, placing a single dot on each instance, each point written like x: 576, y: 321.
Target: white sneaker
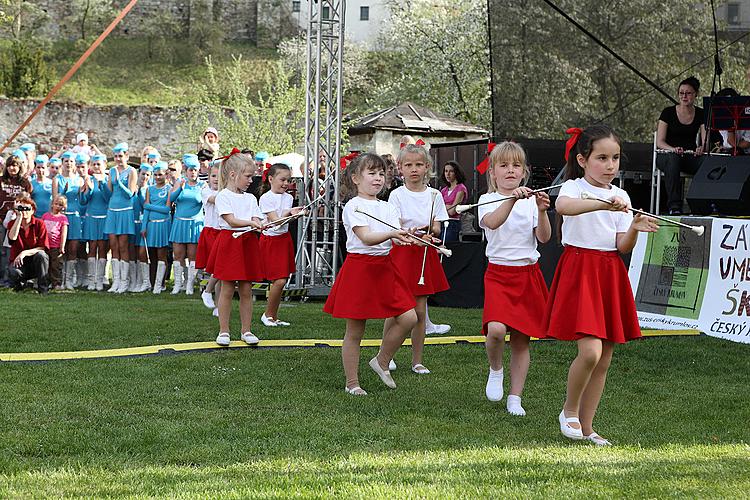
x: 437, y: 329
x: 249, y: 338
x: 282, y: 323
x: 494, y: 389
x: 208, y: 300
x: 223, y: 339
x: 268, y: 321
x: 513, y: 405
x: 215, y: 312
x: 391, y: 365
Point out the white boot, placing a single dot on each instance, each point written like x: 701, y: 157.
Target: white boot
x: 91, y: 274
x: 161, y: 270
x: 73, y: 281
x: 82, y: 273
x: 115, y: 275
x: 177, y: 269
x: 124, y: 277
x: 145, y: 277
x: 101, y: 274
x: 192, y: 272
x: 69, y: 268
x: 134, y: 277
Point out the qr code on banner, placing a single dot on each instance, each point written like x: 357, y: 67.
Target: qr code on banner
x: 675, y: 256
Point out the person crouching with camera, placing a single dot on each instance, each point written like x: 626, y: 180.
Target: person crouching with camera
x: 28, y: 246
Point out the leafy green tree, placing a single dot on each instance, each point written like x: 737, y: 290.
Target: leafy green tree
x: 272, y: 120
x: 90, y: 17
x: 24, y: 72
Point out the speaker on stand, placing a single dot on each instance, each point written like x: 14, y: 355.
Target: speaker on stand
x: 721, y: 185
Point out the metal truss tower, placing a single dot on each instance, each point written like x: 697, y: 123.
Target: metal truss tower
x: 318, y: 235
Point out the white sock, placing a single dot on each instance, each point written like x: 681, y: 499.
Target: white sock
x: 513, y: 404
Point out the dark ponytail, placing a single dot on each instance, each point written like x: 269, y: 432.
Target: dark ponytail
x: 583, y: 147
x: 267, y: 174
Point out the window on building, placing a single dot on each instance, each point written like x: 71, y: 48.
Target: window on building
x: 295, y: 6
x: 733, y: 13
x: 364, y: 13
x: 326, y: 12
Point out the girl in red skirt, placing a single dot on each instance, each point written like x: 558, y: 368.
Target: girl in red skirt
x: 208, y: 235
x: 368, y: 286
x: 276, y: 246
x: 415, y: 202
x: 591, y: 301
x: 236, y: 261
x: 514, y: 290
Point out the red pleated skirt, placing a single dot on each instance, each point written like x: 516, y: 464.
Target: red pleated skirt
x: 235, y: 259
x: 205, y: 243
x: 515, y: 296
x: 368, y: 287
x: 591, y: 296
x: 277, y: 256
x: 408, y: 262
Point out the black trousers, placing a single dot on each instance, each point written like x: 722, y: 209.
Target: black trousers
x: 672, y: 164
x: 35, y: 266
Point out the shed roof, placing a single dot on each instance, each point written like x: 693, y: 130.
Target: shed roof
x: 412, y: 118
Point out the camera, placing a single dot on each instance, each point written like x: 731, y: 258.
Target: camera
x: 23, y: 208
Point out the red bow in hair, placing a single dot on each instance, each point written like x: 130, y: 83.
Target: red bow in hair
x: 266, y: 168
x: 482, y: 167
x: 231, y: 153
x: 575, y: 133
x: 345, y: 159
x: 419, y: 142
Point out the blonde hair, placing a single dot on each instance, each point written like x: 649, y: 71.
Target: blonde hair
x: 61, y: 198
x: 235, y: 163
x: 147, y: 150
x: 506, y: 152
x: 417, y: 150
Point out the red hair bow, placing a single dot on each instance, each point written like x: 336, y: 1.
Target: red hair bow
x: 344, y: 161
x: 485, y: 164
x: 419, y: 142
x: 575, y: 133
x: 231, y: 153
x: 266, y: 168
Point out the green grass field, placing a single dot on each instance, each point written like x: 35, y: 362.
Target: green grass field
x: 277, y: 423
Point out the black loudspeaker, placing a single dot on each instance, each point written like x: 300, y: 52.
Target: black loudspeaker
x: 722, y: 184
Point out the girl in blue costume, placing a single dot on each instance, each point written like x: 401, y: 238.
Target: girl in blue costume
x: 187, y: 223
x: 53, y: 167
x: 81, y: 276
x: 95, y: 196
x: 156, y: 222
x: 41, y: 186
x: 120, y: 223
x: 67, y: 183
x: 140, y: 278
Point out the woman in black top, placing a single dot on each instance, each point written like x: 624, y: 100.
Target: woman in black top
x: 677, y: 132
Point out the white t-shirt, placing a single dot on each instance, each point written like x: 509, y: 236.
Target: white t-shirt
x: 595, y: 230
x: 242, y: 205
x: 279, y: 203
x: 209, y: 209
x: 514, y: 242
x: 414, y: 207
x: 380, y: 209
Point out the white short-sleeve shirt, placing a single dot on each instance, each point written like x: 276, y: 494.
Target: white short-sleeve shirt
x: 278, y: 203
x: 211, y: 218
x: 380, y: 209
x: 242, y: 205
x: 595, y: 230
x: 414, y: 206
x: 514, y: 242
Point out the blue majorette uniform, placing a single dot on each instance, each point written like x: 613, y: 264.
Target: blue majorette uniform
x: 138, y: 200
x: 69, y: 187
x: 96, y: 201
x: 120, y: 218
x: 156, y: 218
x: 42, y: 195
x: 188, y: 216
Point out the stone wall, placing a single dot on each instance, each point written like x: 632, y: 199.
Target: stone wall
x: 239, y: 18
x: 59, y: 122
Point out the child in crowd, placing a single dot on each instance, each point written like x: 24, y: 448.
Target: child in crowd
x: 41, y: 185
x: 95, y: 195
x: 514, y: 289
x: 68, y: 183
x: 591, y: 301
x: 276, y: 246
x: 208, y: 235
x: 120, y: 222
x: 156, y: 222
x: 13, y: 182
x: 57, y: 234
x: 236, y: 260
x: 419, y: 265
x: 210, y: 140
x: 368, y: 285
x: 140, y: 271
x: 187, y: 223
